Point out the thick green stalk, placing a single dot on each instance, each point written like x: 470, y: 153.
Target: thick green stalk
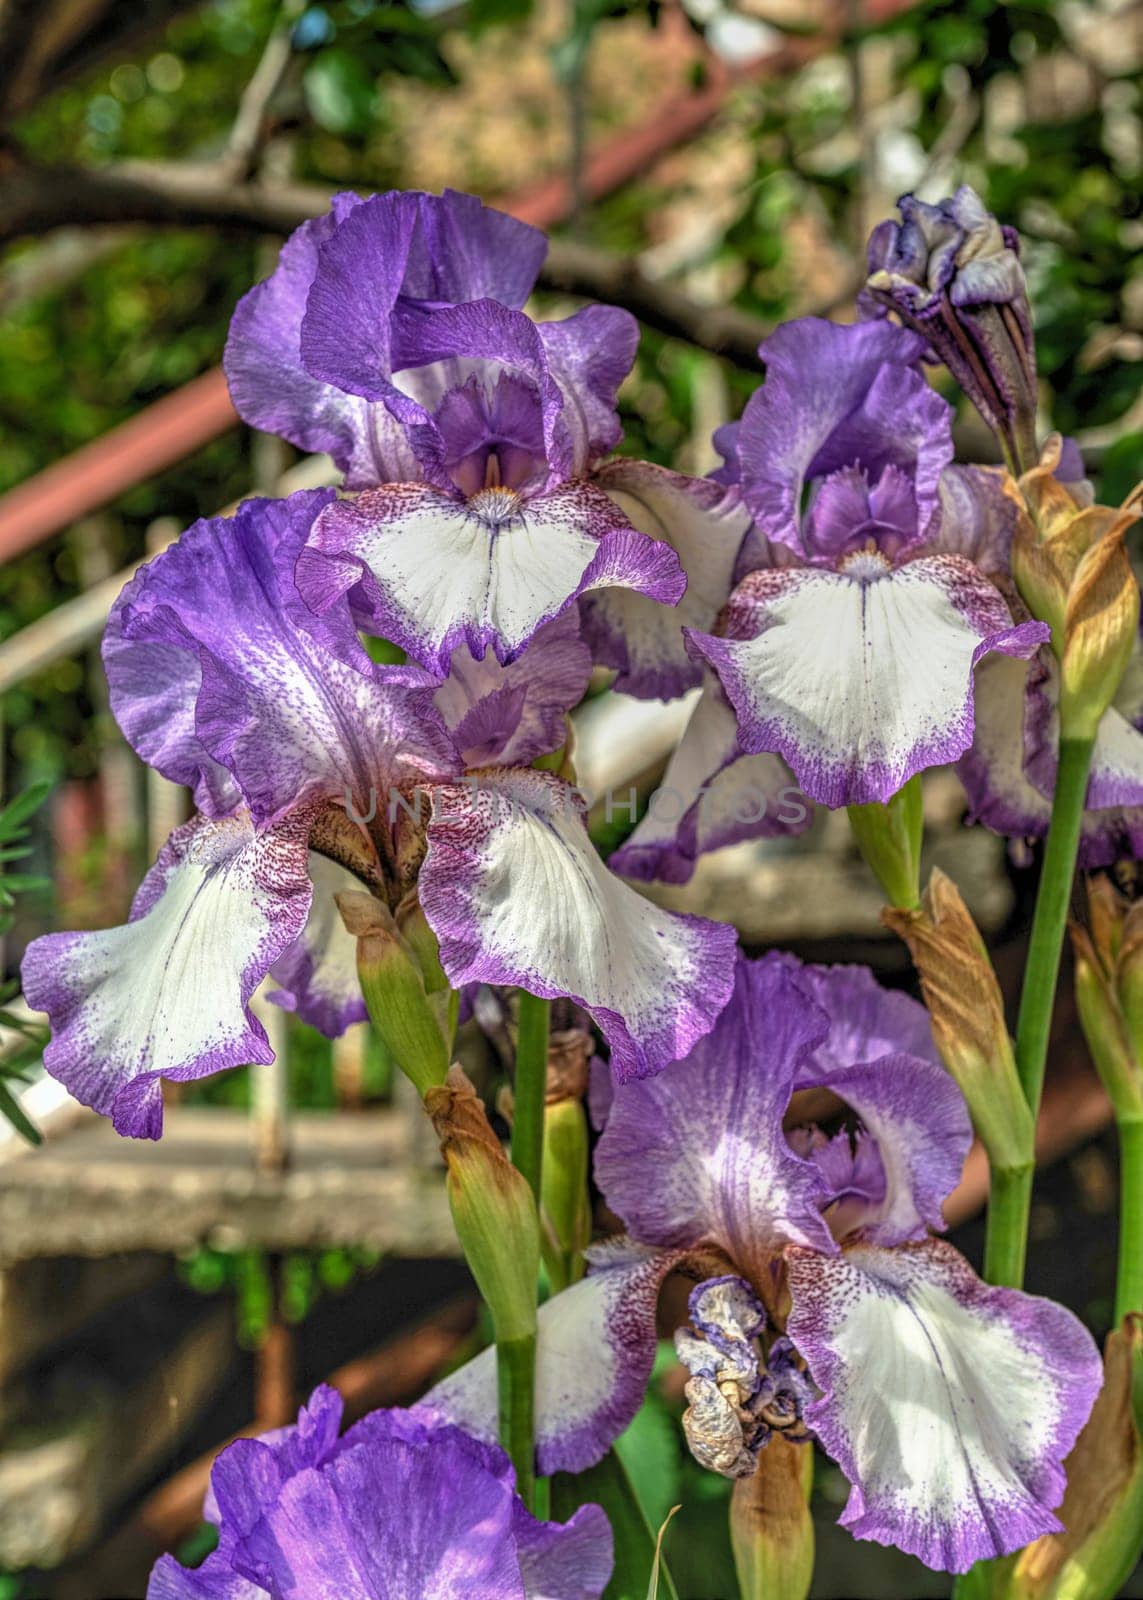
x: 516, y: 1390
x: 531, y: 1088
x: 1006, y: 1233
x: 1129, y: 1278
x: 1049, y: 923
x: 1010, y: 1202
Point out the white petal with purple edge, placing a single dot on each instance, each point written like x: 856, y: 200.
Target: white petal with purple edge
x: 438, y: 573
x: 594, y: 1354
x: 698, y: 1153
x: 318, y: 974
x: 949, y: 1405
x: 706, y: 525
x: 165, y: 995
x: 516, y: 894
x: 860, y: 683
x: 711, y: 795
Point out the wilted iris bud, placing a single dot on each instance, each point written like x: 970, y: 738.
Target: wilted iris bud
x: 1102, y: 1513
x: 1073, y: 573
x: 952, y: 272
x: 967, y: 1012
x: 1109, y: 992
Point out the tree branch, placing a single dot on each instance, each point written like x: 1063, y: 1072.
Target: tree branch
x: 35, y: 200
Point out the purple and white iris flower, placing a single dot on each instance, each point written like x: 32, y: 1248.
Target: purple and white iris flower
x: 312, y: 769
x: 854, y: 660
x: 396, y: 1507
x: 391, y: 336
x: 825, y: 1308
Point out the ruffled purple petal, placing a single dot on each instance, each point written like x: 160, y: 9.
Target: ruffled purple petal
x: 949, y: 1405
x: 589, y: 355
x: 827, y: 403
x: 271, y: 388
x: 860, y: 682
x: 595, y: 1350
x: 289, y: 704
x: 867, y: 1021
x: 166, y: 995
x: 711, y: 795
x: 564, y: 1561
x: 511, y: 715
x: 436, y: 574
x: 706, y: 527
x: 516, y: 894
x: 977, y: 519
x: 698, y: 1153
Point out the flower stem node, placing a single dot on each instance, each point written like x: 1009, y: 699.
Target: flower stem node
x: 492, y: 1208
x: 967, y: 1011
x: 413, y: 1022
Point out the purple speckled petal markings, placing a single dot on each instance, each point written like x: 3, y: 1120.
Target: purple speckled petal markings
x: 595, y: 1350
x: 698, y: 1153
x: 516, y: 894
x: 892, y: 692
x: 949, y: 1405
x: 632, y: 632
x: 166, y: 995
x: 438, y: 573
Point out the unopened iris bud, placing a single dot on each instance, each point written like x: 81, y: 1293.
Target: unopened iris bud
x: 413, y: 1023
x: 492, y: 1208
x: 1073, y: 573
x: 952, y: 272
x: 565, y: 1201
x: 889, y: 837
x: 967, y: 1013
x: 1102, y: 1513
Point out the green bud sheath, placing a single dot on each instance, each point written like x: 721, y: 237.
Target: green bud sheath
x: 413, y: 1024
x: 889, y: 837
x: 565, y: 1203
x: 771, y: 1530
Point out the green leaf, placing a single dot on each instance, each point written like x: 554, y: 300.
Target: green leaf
x: 25, y: 805
x: 10, y: 1107
x: 608, y: 1485
x: 649, y: 1450
x: 340, y: 92
x: 653, y: 1586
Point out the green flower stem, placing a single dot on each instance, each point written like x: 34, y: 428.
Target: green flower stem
x: 1006, y: 1230
x: 1129, y: 1278
x: 1010, y: 1200
x: 516, y: 1390
x: 531, y: 1088
x: 516, y: 1358
x: 1049, y: 923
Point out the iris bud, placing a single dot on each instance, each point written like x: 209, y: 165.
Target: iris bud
x: 967, y: 1012
x: 413, y: 1023
x: 889, y: 836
